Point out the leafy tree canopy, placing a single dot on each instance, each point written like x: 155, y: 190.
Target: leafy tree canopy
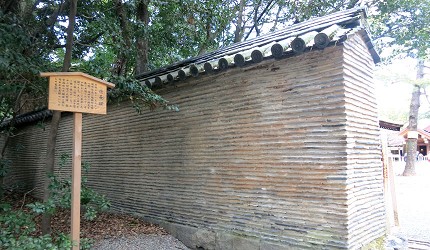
x: 402, y: 25
x: 113, y: 36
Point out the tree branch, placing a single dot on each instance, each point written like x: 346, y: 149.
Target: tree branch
x: 259, y: 18
x: 91, y: 40
x: 23, y: 200
x: 238, y: 34
x: 276, y: 19
x: 53, y: 18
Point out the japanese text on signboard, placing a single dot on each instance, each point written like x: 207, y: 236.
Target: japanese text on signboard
x: 77, y: 94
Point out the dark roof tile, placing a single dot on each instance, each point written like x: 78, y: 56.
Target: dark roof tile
x: 295, y: 39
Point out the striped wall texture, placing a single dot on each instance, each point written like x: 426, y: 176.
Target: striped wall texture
x: 279, y: 155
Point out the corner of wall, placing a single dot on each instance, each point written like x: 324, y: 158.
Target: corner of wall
x: 366, y: 207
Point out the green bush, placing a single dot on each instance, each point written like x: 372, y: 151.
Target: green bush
x: 16, y: 231
x: 61, y: 193
x: 18, y: 226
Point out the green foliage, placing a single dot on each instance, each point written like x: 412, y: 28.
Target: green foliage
x: 32, y: 36
x: 40, y: 208
x: 141, y: 96
x: 377, y: 244
x: 24, y: 51
x: 60, y: 188
x: 91, y: 201
x: 4, y: 167
x: 395, y: 115
x: 403, y: 25
x: 17, y: 228
x: 181, y: 29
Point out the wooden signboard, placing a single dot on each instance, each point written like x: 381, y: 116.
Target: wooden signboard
x: 78, y: 93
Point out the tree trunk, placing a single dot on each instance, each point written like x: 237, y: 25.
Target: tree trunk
x: 120, y: 66
x: 49, y: 170
x: 238, y: 34
x: 142, y: 15
x: 5, y: 143
x: 256, y: 19
x: 411, y: 143
x: 55, y: 122
x: 16, y: 110
x: 204, y: 45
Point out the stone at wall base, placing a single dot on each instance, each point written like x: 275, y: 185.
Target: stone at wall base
x: 225, y: 240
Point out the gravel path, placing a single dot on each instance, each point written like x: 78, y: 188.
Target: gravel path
x: 142, y: 242
x: 413, y: 201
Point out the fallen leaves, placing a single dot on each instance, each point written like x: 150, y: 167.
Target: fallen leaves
x: 106, y: 225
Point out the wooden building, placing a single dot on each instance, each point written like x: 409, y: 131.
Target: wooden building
x: 397, y: 135
x: 276, y: 144
x: 423, y: 145
x: 396, y: 142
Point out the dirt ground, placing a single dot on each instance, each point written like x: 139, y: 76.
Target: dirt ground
x: 106, y: 225
x: 413, y: 201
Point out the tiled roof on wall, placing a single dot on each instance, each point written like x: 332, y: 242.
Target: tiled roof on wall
x: 27, y: 118
x: 316, y: 33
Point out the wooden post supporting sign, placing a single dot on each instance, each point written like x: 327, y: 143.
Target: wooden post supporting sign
x: 78, y: 93
x: 76, y: 177
x: 392, y: 215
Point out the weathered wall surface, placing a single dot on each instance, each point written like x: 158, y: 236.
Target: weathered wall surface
x: 364, y: 175
x: 257, y: 158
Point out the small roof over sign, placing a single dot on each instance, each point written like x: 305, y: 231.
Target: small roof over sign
x: 47, y: 74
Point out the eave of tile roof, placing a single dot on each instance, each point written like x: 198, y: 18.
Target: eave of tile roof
x: 280, y: 44
x: 390, y: 125
x: 28, y: 118
x: 421, y: 132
